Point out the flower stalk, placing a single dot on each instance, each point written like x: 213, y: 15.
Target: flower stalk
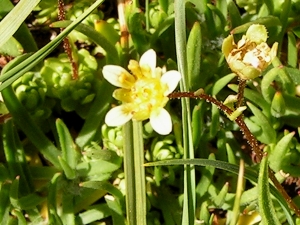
x: 252, y: 141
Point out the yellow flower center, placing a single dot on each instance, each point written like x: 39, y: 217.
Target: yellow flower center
x: 146, y: 92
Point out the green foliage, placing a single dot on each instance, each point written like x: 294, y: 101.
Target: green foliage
x: 61, y: 164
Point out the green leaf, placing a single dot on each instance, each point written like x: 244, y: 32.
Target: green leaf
x: 206, y: 178
x: 14, y: 192
x: 250, y: 174
x: 94, y: 214
x: 189, y: 203
x: 92, y: 168
x: 278, y: 105
x: 288, y: 85
x: 268, y: 133
x: 96, y: 37
x: 52, y: 200
x: 30, y: 201
x: 193, y: 47
x: 277, y: 155
x: 10, y: 76
x: 115, y: 209
x: 292, y: 50
x: 234, y: 14
x: 221, y: 83
x: 266, y: 89
x: 104, y: 185
x: 220, y: 198
x: 68, y: 148
x: 20, y: 216
x: 215, y: 121
x: 268, y: 21
x: 265, y: 203
x: 12, y: 48
x: 68, y: 171
x: 4, y: 203
x: 96, y: 114
x: 13, y: 20
x: 254, y: 97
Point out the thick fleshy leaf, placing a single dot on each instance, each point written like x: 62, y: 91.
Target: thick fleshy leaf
x: 117, y: 117
x: 161, y: 122
x: 113, y: 73
x: 171, y: 79
x: 149, y: 59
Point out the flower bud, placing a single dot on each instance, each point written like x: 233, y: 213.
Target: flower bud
x: 251, y: 55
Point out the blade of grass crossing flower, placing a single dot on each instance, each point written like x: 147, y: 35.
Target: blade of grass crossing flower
x: 139, y: 171
x: 13, y: 20
x: 265, y: 203
x: 129, y: 173
x: 189, y: 172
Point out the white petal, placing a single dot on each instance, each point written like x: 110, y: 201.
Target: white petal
x: 117, y: 117
x: 112, y: 73
x: 171, y: 78
x: 161, y: 122
x: 149, y: 59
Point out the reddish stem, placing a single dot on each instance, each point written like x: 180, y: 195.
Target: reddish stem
x: 248, y: 136
x: 66, y: 42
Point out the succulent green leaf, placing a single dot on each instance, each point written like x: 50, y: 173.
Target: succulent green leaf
x: 194, y: 45
x: 69, y: 172
x: 68, y: 148
x: 268, y: 133
x: 265, y: 203
x: 277, y: 155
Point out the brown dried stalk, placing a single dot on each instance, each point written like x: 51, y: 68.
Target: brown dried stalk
x: 66, y: 42
x: 252, y: 141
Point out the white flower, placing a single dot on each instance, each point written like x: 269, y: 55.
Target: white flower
x: 143, y: 93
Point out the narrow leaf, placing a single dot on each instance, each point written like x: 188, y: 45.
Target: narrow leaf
x: 265, y: 203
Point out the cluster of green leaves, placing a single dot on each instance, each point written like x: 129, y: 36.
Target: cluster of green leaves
x: 64, y: 177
